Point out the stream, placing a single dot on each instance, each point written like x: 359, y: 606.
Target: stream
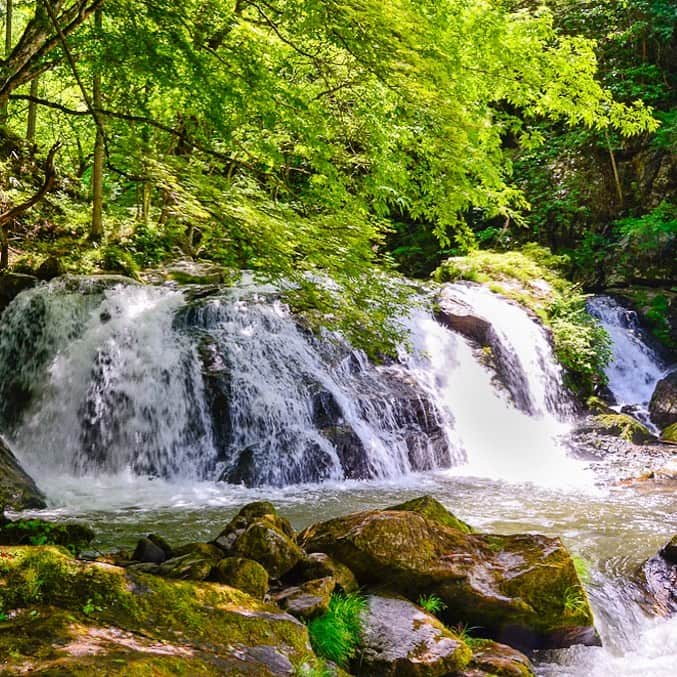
x: 144, y: 411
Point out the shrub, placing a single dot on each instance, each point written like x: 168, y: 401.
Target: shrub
x: 432, y: 604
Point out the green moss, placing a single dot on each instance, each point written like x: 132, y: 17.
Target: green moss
x: 623, y: 426
x: 669, y: 434
x: 432, y: 509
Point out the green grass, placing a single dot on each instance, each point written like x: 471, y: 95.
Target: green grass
x: 337, y: 634
x: 432, y: 604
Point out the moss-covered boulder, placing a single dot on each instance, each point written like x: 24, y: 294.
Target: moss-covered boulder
x: 243, y: 574
x: 669, y: 434
x: 308, y: 600
x: 522, y: 590
x: 62, y: 616
x: 191, y: 562
x: 320, y: 565
x: 491, y: 659
x: 17, y: 490
x: 623, y: 426
x: 663, y: 405
x: 399, y: 639
x: 257, y: 532
x: 657, y: 578
x: 433, y: 510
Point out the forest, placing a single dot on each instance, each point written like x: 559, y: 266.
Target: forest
x: 314, y: 258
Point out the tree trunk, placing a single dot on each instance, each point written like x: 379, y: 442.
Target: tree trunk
x: 96, y: 232
x: 32, y: 112
x: 8, y: 48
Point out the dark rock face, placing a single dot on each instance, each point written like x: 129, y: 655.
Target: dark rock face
x: 518, y: 589
x: 149, y: 552
x: 663, y: 405
x: 491, y: 659
x: 319, y: 565
x: 398, y: 638
x: 308, y: 600
x: 50, y: 268
x: 17, y: 490
x: 12, y: 284
x: 658, y: 580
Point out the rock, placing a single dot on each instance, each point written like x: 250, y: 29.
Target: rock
x: 491, y: 659
x: 50, y: 268
x: 147, y: 551
x: 191, y: 562
x: 623, y: 426
x: 243, y: 574
x: 432, y: 509
x: 658, y: 580
x: 522, y: 590
x: 398, y: 638
x: 17, y: 490
x: 90, y: 618
x: 75, y: 537
x: 663, y: 405
x: 12, y: 284
x: 669, y: 434
x: 308, y: 600
x: 321, y: 565
x: 257, y: 532
x: 161, y: 543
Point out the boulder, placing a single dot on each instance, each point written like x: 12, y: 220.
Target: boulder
x: 17, y: 490
x: 12, y: 284
x: 72, y: 617
x: 321, y: 565
x: 522, y: 590
x: 663, y: 405
x: 398, y: 638
x: 491, y: 659
x: 658, y: 580
x: 191, y: 562
x: 432, y: 509
x: 243, y: 574
x: 149, y: 552
x: 621, y: 425
x: 50, y: 268
x: 308, y: 600
x: 669, y: 434
x: 257, y: 532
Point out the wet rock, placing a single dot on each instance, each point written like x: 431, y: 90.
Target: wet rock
x: 12, y: 284
x: 622, y: 425
x: 147, y: 551
x: 398, y: 638
x: 50, y: 268
x: 522, y: 590
x: 350, y: 450
x: 308, y: 600
x: 663, y: 405
x: 658, y: 580
x: 491, y: 659
x: 191, y: 562
x: 161, y: 543
x: 257, y: 532
x: 243, y: 574
x: 432, y: 509
x: 99, y: 619
x: 17, y: 490
x: 321, y: 565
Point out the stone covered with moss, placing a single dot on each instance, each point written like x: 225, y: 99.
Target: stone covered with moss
x: 66, y: 616
x: 624, y: 426
x: 521, y: 589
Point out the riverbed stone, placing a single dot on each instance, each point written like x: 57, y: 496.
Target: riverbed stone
x: 18, y: 491
x: 243, y: 574
x: 191, y: 562
x: 64, y: 616
x: 147, y: 551
x: 320, y: 565
x: 658, y: 580
x: 623, y: 426
x: 400, y: 639
x: 521, y: 589
x: 663, y: 405
x: 491, y: 659
x: 432, y: 509
x: 308, y: 600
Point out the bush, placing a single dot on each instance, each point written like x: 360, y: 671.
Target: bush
x: 337, y: 634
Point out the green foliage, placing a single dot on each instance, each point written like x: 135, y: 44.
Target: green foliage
x: 432, y: 604
x: 575, y: 600
x: 336, y: 635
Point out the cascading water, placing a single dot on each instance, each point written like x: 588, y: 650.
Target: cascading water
x: 635, y: 368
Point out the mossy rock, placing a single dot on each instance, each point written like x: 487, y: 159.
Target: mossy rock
x: 57, y: 608
x: 623, y: 426
x: 74, y: 537
x: 191, y: 562
x: 522, y: 589
x: 492, y: 659
x: 17, y: 490
x: 432, y: 509
x: 243, y: 574
x: 320, y: 565
x: 309, y: 600
x: 670, y: 433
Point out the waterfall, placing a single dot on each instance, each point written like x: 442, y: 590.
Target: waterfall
x: 109, y: 378
x: 635, y: 368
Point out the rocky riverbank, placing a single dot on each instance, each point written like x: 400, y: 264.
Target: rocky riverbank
x: 246, y: 602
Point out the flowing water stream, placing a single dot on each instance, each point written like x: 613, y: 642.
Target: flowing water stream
x: 141, y: 410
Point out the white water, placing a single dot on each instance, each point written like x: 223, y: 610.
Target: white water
x: 635, y: 368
